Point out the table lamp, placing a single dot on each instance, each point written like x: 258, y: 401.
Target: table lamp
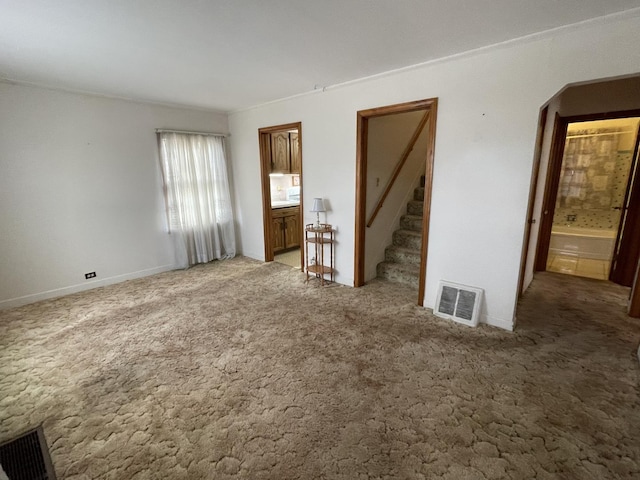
x: 318, y: 206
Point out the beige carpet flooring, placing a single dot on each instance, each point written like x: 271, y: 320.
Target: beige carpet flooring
x: 238, y: 369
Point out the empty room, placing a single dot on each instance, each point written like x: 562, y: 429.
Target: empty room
x: 291, y: 239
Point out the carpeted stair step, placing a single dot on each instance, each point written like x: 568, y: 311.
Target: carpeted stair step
x: 414, y: 207
x: 407, y: 274
x: 407, y: 239
x: 402, y: 255
x: 418, y: 194
x: 411, y: 222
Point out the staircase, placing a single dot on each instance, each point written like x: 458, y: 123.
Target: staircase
x: 402, y: 257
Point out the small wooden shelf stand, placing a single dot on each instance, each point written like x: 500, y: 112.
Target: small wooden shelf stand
x: 319, y: 238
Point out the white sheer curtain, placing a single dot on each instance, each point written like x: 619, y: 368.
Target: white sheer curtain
x: 198, y: 199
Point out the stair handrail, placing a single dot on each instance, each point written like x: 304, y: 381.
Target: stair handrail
x: 399, y: 165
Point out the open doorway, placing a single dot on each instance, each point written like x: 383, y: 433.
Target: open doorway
x: 281, y: 178
x: 589, y: 218
x: 592, y: 201
x: 584, y: 212
x: 425, y: 120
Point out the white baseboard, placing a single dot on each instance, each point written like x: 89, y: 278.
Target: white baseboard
x: 252, y: 255
x: 60, y: 292
x: 491, y: 321
x: 497, y: 322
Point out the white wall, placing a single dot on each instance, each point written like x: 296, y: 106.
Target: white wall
x: 80, y: 190
x: 388, y: 138
x: 488, y: 108
x: 610, y: 96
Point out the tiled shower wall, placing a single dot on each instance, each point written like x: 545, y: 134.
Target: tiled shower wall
x: 593, y: 179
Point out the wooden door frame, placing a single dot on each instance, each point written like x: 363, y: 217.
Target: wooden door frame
x: 264, y: 143
x: 363, y: 116
x: 634, y: 302
x: 533, y: 190
x: 551, y: 187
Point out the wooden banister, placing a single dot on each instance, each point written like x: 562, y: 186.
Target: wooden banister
x: 399, y: 165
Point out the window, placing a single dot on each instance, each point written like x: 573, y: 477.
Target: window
x: 197, y: 196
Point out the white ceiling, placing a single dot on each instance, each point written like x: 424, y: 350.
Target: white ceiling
x: 232, y: 54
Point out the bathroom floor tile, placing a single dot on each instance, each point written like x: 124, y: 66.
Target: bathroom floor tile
x: 550, y: 260
x: 591, y: 268
x: 581, y: 267
x: 564, y: 264
x: 590, y: 274
x: 590, y: 263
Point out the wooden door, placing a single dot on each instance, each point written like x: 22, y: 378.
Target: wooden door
x: 296, y: 166
x: 627, y: 252
x: 280, y: 153
x: 533, y: 188
x: 551, y: 192
x: 277, y: 230
x: 292, y: 231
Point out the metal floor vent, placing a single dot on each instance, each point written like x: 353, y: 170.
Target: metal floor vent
x: 27, y: 457
x: 459, y: 303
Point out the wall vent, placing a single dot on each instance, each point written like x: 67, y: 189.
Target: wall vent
x: 458, y: 303
x: 27, y: 457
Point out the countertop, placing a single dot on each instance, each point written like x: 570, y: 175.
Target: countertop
x: 284, y: 203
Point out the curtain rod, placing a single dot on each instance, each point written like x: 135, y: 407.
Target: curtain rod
x: 209, y: 134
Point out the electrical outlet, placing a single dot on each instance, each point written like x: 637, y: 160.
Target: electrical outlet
x: 89, y: 275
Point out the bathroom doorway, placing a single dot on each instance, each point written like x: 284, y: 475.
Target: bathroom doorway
x: 281, y: 178
x: 589, y: 216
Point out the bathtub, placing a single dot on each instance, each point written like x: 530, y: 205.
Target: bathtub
x: 582, y: 242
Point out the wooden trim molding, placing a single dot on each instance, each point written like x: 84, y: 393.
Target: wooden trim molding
x: 362, y: 129
x: 282, y: 128
x: 428, y: 183
x: 361, y: 198
x: 398, y: 108
x: 634, y: 302
x: 265, y: 165
x: 301, y: 222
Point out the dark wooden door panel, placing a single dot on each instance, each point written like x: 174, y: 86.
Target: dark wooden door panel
x: 627, y: 254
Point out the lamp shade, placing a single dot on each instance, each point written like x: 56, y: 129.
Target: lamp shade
x: 318, y: 205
